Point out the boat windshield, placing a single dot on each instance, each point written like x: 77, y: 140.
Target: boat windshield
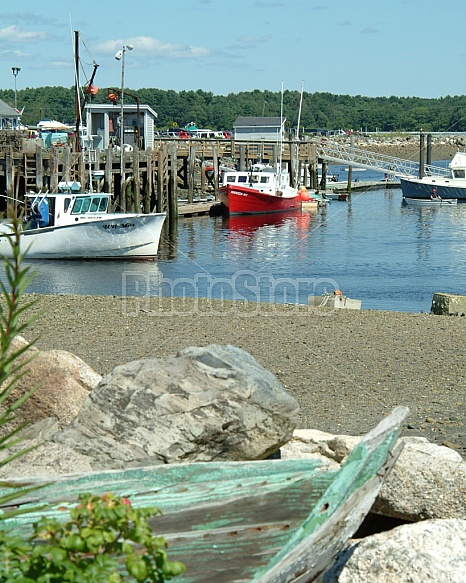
x: 90, y: 204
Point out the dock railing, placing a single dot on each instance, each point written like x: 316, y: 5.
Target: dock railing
x: 390, y: 165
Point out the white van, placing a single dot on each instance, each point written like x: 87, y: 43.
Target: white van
x: 203, y: 134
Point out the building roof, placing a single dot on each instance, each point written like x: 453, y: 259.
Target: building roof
x: 258, y: 121
x: 100, y: 107
x: 7, y: 110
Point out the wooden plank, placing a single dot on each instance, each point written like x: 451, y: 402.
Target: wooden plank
x: 280, y: 521
x: 196, y: 208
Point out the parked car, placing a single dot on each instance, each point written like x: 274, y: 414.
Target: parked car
x: 184, y: 135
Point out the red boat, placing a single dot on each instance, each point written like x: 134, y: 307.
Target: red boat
x: 262, y: 189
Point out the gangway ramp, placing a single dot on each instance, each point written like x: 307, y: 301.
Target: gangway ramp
x: 351, y: 156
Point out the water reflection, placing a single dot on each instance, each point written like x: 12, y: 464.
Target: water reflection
x: 374, y: 249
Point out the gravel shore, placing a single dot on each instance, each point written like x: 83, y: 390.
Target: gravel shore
x: 346, y: 368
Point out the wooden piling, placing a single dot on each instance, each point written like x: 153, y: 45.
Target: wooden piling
x: 429, y: 150
x: 421, y: 154
x: 136, y: 181
x: 215, y: 164
x: 154, y: 176
x: 191, y: 166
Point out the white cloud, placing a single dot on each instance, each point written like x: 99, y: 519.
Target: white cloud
x: 154, y: 47
x: 13, y: 34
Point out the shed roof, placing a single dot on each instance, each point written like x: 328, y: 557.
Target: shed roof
x: 7, y: 110
x: 258, y: 121
x: 100, y: 107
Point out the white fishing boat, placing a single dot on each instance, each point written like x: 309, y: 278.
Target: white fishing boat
x: 449, y: 186
x: 70, y: 224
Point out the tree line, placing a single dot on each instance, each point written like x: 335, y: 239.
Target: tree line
x: 218, y: 112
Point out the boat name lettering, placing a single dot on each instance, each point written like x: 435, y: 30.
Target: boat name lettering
x: 119, y: 226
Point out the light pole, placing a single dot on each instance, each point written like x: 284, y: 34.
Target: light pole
x: 121, y: 56
x: 15, y: 70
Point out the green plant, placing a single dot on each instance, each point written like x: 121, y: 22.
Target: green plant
x: 12, y: 309
x: 106, y: 540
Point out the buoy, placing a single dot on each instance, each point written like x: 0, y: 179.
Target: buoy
x: 91, y: 89
x: 337, y: 292
x: 303, y: 193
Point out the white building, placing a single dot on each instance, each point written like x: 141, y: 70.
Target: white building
x: 9, y: 117
x: 103, y: 125
x: 253, y: 129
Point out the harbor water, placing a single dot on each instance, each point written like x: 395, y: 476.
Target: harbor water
x: 371, y: 247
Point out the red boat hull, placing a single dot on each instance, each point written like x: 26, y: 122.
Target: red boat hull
x: 249, y: 201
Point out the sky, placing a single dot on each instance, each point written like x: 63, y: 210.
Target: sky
x: 372, y: 48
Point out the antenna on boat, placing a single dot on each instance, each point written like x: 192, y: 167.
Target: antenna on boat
x: 299, y: 113
x: 281, y: 130
x: 296, y: 158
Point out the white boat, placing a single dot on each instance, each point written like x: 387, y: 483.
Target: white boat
x: 429, y: 201
x: 450, y: 186
x: 336, y: 195
x: 74, y: 225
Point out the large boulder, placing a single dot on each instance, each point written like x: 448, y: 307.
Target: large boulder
x: 433, y: 550
x: 428, y: 480
x: 205, y: 404
x: 62, y: 381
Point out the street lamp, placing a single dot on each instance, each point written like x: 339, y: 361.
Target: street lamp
x: 121, y: 56
x: 15, y: 70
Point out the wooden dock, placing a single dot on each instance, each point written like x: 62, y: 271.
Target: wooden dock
x: 168, y: 178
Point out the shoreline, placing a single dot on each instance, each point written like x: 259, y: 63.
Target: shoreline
x: 346, y: 368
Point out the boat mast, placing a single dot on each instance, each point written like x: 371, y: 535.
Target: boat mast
x: 76, y: 97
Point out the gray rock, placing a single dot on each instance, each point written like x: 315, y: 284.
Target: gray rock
x: 433, y: 550
x: 212, y: 403
x: 427, y: 481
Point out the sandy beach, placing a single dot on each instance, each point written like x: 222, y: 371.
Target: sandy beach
x: 346, y: 368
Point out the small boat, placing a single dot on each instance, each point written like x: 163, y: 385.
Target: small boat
x: 336, y: 195
x: 429, y: 201
x: 269, y: 521
x: 452, y: 185
x: 262, y: 189
x: 74, y: 225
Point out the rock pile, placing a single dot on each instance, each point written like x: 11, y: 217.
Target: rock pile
x: 218, y: 403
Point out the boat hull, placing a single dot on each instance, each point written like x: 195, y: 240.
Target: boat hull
x: 422, y: 188
x: 113, y: 237
x: 269, y: 521
x: 248, y: 201
x: 429, y: 201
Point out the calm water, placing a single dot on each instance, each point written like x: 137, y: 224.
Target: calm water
x: 372, y: 248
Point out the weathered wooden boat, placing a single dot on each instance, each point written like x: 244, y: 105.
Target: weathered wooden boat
x: 277, y: 521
